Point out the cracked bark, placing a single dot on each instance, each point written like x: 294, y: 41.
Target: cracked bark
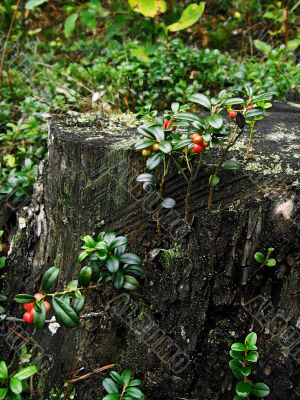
x: 195, y: 292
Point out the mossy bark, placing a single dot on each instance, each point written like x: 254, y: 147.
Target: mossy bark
x: 202, y: 289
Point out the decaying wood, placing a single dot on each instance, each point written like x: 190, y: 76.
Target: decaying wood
x: 202, y: 288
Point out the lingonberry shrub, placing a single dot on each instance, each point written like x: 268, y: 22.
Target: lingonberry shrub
x: 184, y: 138
x: 265, y: 260
x: 106, y: 262
x: 11, y: 385
x: 122, y: 387
x: 244, y: 355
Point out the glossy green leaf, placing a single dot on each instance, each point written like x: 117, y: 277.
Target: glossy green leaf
x: 200, y: 99
x: 116, y: 377
x: 216, y: 121
x: 238, y: 347
x: 130, y: 283
x: 260, y: 390
x: 134, y: 270
x: 250, y: 341
x: 130, y: 258
x: 236, y: 368
x: 243, y: 389
x: 186, y: 116
x: 165, y: 147
x: 24, y: 298
x: 252, y: 356
x: 182, y: 143
x: 135, y: 382
x: 64, y: 313
x: 134, y: 392
x: 3, y: 370
x: 118, y: 279
x: 265, y: 48
x: 112, y: 264
x: 31, y: 4
x: 15, y: 385
x: 110, y: 386
x: 112, y: 396
x: 232, y: 101
x: 26, y: 372
x: 79, y: 303
x: 237, y: 355
x: 39, y: 314
x: 189, y: 17
x: 85, y: 276
x: 146, y: 178
x: 70, y: 24
x: 213, y: 180
x: 3, y: 393
x: 126, y: 375
x: 259, y: 257
x: 271, y: 262
x: 144, y: 143
x: 230, y: 165
x: 49, y: 278
x: 2, y: 297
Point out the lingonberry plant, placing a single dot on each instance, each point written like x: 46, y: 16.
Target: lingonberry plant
x: 265, y: 260
x: 243, y: 356
x: 11, y: 385
x: 122, y: 387
x: 3, y: 250
x: 107, y: 262
x: 183, y: 137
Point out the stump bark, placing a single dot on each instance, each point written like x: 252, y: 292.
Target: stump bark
x: 202, y: 289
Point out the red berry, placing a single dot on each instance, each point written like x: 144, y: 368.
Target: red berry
x: 28, y: 317
x: 28, y: 306
x: 232, y: 114
x: 198, y: 148
x: 250, y: 107
x: 47, y: 305
x: 197, y: 138
x: 38, y: 296
x: 168, y: 123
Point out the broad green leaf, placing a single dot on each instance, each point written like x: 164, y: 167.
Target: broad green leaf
x: 238, y: 347
x: 255, y: 112
x: 112, y: 396
x: 2, y: 310
x: 200, y: 99
x: 110, y: 237
x: 230, y: 165
x: 26, y: 372
x: 85, y: 276
x: 3, y: 370
x: 79, y: 303
x: 126, y: 375
x: 130, y: 258
x: 186, y: 116
x: 29, y: 5
x: 182, y: 143
x: 213, y: 180
x: 259, y: 257
x: 146, y: 178
x: 165, y: 147
x: 236, y: 368
x: 267, y: 96
x: 293, y: 44
x: 110, y: 386
x: 116, y: 377
x: 271, y: 262
x: 189, y: 17
x: 118, y: 241
x: 252, y: 356
x: 39, y: 314
x: 154, y: 160
x: 3, y: 393
x: 130, y: 283
x: 168, y: 203
x: 250, y: 341
x: 112, y: 264
x: 243, y: 389
x: 24, y: 298
x: 149, y: 8
x: 15, y: 385
x: 49, y: 278
x: 70, y: 24
x: 232, y: 101
x: 134, y: 392
x: 135, y: 382
x: 133, y: 270
x: 237, y: 355
x: 246, y: 371
x: 64, y: 313
x: 144, y: 143
x: 88, y: 240
x: 216, y: 121
x: 263, y: 47
x: 260, y: 390
x: 118, y: 279
x: 2, y: 262
x: 175, y: 107
x: 82, y: 256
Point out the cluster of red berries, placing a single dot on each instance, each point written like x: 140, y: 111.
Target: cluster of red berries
x: 199, y: 143
x: 233, y: 114
x: 28, y: 316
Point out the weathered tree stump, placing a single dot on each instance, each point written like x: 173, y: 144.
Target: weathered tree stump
x: 202, y: 289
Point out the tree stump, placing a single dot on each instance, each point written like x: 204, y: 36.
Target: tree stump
x: 202, y: 290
